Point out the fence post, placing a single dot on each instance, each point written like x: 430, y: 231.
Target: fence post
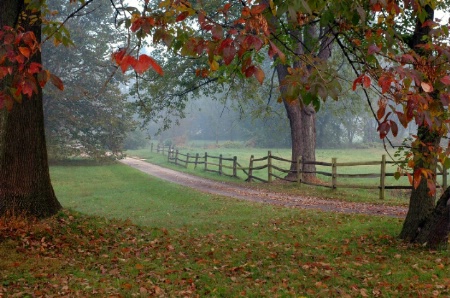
x: 196, y: 160
x: 269, y: 166
x: 163, y: 149
x: 206, y: 161
x: 333, y: 173
x: 187, y: 159
x: 168, y: 155
x: 220, y: 164
x: 157, y: 148
x: 299, y: 169
x: 250, y: 169
x: 234, y: 166
x: 151, y: 147
x: 382, y: 176
x: 176, y: 157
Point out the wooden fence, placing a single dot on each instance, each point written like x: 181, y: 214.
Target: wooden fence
x: 218, y: 164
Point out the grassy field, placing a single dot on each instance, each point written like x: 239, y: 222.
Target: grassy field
x: 188, y: 244
x: 395, y: 197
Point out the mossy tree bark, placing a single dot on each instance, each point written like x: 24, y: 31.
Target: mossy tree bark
x: 25, y: 185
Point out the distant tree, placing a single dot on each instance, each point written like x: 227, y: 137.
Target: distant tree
x: 91, y: 116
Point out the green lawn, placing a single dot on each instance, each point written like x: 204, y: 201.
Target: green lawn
x: 188, y: 244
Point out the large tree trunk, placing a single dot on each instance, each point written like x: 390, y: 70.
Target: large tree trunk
x: 302, y: 122
x: 426, y: 223
x: 434, y: 233
x: 25, y: 185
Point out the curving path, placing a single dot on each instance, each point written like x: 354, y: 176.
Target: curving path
x: 262, y: 196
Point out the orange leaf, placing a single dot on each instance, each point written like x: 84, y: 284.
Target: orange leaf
x: 182, y: 16
x: 57, y: 82
x: 25, y: 51
x: 126, y: 62
x: 259, y: 75
x: 144, y: 63
x: 257, y: 9
x: 417, y: 178
x: 366, y: 82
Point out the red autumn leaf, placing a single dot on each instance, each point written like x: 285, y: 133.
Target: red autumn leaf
x: 29, y: 39
x: 417, y: 178
x: 126, y: 62
x: 34, y: 68
x: 394, y: 128
x: 366, y: 81
x: 383, y: 129
x: 385, y: 83
x: 259, y: 75
x: 29, y: 87
x: 137, y: 24
x: 274, y: 50
x: 4, y: 71
x: 226, y: 8
x: 445, y: 80
x: 445, y: 99
x: 373, y: 49
x: 225, y: 43
x: 217, y: 32
x: 145, y: 62
x: 25, y: 51
x: 8, y: 39
x: 118, y: 56
x: 376, y: 7
x: 257, y: 9
x: 251, y: 41
x: 356, y: 82
x: 228, y: 54
x: 182, y: 16
x: 57, y: 82
x: 381, y: 109
x: 250, y: 71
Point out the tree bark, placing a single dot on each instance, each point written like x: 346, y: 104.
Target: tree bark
x: 302, y: 122
x: 25, y: 185
x: 434, y: 233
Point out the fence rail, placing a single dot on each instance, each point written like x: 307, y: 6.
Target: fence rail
x: 293, y: 168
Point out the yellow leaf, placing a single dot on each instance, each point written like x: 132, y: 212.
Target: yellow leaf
x: 214, y: 65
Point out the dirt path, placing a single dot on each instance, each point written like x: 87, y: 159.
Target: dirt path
x: 263, y: 196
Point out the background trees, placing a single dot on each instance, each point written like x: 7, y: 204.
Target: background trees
x: 91, y: 116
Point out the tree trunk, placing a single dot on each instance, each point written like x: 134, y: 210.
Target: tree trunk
x: 303, y: 131
x: 434, y: 233
x: 426, y: 223
x: 25, y: 185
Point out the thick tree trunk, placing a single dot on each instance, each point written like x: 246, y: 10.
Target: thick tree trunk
x: 426, y: 223
x: 434, y: 233
x: 25, y: 185
x: 421, y: 203
x: 302, y: 122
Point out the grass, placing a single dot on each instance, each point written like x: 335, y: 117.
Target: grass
x: 393, y: 197
x: 188, y: 244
